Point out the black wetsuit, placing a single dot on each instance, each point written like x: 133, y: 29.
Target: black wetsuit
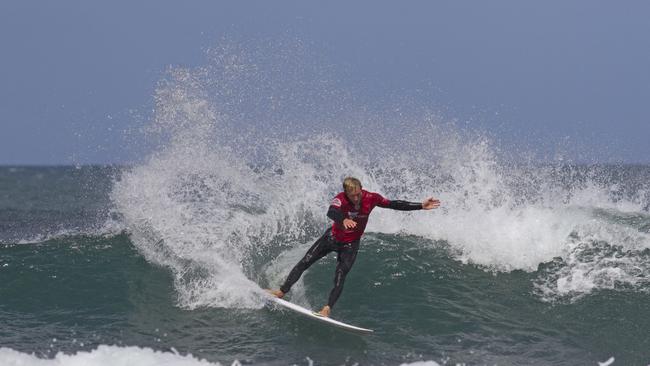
x: 346, y: 251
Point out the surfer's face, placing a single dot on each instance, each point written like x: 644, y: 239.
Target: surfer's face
x: 354, y: 195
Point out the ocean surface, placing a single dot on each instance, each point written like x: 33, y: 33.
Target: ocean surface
x: 129, y: 265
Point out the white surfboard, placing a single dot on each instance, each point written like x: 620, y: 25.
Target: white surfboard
x: 318, y: 317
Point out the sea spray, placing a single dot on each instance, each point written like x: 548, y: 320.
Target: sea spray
x: 207, y: 206
x: 249, y: 156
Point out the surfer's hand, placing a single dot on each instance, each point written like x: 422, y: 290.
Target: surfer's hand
x: 430, y: 203
x: 349, y: 224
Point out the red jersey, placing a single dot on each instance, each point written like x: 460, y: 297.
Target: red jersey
x: 369, y: 200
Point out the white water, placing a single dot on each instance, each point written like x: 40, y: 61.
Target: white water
x: 228, y: 191
x: 105, y: 355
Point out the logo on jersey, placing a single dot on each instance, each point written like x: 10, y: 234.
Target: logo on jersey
x: 336, y: 202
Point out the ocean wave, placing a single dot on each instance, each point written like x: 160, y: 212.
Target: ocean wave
x: 221, y: 198
x: 108, y: 228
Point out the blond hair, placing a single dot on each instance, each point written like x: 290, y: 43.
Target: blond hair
x: 350, y: 183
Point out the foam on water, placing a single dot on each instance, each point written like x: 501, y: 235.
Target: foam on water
x: 232, y: 186
x: 583, y: 228
x: 104, y: 355
x: 421, y: 363
x: 140, y: 356
x: 610, y: 361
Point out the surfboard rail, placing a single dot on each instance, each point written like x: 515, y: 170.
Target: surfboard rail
x: 315, y: 316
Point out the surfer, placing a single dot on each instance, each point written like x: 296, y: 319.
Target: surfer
x: 349, y: 210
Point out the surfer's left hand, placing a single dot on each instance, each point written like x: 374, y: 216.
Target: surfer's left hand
x: 430, y: 203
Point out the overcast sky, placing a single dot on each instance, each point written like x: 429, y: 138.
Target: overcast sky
x: 550, y: 72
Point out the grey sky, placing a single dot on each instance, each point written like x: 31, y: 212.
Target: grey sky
x: 544, y: 72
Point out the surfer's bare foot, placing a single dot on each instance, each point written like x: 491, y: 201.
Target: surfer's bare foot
x: 325, y: 311
x: 277, y: 293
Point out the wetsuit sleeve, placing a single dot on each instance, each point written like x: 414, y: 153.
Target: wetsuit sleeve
x: 335, y: 212
x: 405, y: 205
x: 397, y: 204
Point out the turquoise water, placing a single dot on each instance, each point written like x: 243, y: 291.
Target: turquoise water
x: 78, y: 273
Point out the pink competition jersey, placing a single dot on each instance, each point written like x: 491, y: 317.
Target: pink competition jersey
x: 369, y: 200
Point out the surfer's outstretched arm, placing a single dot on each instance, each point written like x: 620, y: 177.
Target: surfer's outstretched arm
x: 400, y: 205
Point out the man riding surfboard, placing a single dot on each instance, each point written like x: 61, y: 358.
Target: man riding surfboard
x: 349, y: 210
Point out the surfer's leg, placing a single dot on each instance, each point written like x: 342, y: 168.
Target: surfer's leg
x: 318, y: 250
x: 344, y: 262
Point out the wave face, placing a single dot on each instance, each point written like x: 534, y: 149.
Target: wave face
x: 252, y: 146
x: 85, y: 298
